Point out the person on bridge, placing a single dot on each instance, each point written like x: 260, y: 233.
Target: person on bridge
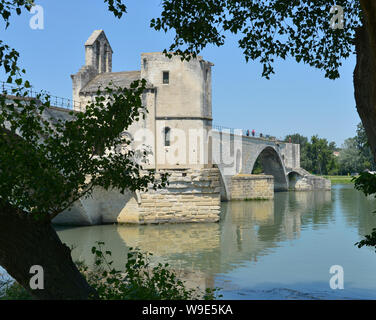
x: 253, y: 132
x: 247, y: 133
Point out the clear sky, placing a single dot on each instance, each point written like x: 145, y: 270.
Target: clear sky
x: 297, y: 98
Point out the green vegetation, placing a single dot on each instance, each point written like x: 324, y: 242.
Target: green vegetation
x: 318, y: 156
x: 340, y: 179
x: 257, y: 167
x: 14, y: 291
x: 141, y: 280
x: 355, y: 155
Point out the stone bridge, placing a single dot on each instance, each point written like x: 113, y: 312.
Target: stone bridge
x: 194, y: 195
x: 236, y: 155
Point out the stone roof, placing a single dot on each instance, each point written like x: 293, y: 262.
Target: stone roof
x: 120, y: 79
x: 94, y: 36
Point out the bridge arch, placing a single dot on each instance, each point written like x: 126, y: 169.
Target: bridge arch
x: 272, y: 163
x: 293, y: 177
x: 224, y: 185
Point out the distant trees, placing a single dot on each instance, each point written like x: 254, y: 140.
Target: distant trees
x: 317, y: 154
x: 349, y: 158
x: 364, y: 148
x: 356, y: 155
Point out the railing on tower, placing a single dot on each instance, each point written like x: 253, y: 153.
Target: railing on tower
x: 7, y: 88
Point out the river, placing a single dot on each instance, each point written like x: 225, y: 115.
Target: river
x: 281, y: 249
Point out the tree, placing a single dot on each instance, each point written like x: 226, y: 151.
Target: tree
x: 364, y: 149
x: 45, y: 167
x: 303, y: 142
x: 320, y: 154
x: 349, y: 158
x: 302, y: 29
x: 316, y: 155
x: 355, y: 155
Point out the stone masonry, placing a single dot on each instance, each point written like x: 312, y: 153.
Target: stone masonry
x: 309, y: 183
x: 192, y: 196
x: 252, y: 187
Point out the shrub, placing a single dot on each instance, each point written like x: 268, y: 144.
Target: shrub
x: 11, y: 290
x: 140, y: 280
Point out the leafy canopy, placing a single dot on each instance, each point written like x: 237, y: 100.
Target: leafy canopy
x: 269, y: 29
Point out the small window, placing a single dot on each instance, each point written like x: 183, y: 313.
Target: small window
x: 166, y: 77
x: 166, y: 133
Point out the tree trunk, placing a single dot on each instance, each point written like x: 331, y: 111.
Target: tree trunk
x: 365, y: 72
x: 25, y: 242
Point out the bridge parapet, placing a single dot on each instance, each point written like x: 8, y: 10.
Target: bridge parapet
x: 55, y: 101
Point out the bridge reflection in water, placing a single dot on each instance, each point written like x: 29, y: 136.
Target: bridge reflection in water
x: 247, y: 231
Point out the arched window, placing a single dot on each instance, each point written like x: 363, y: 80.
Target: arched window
x: 166, y: 134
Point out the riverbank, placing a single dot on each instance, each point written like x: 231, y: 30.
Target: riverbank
x: 340, y: 179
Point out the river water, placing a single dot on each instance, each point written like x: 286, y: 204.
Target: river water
x: 281, y: 249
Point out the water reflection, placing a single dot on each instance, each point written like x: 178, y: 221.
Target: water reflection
x: 259, y: 248
x: 248, y: 230
x: 255, y: 228
x: 357, y: 209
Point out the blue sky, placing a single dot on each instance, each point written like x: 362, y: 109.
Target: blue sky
x: 297, y: 98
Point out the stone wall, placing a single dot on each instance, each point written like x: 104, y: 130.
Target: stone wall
x: 249, y: 187
x: 290, y: 154
x: 308, y: 182
x: 192, y: 196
